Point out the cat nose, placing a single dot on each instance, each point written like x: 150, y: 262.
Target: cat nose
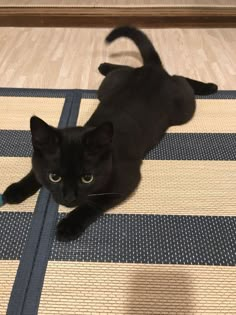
x: 70, y: 197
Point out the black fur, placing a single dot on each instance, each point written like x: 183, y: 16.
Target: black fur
x: 136, y: 108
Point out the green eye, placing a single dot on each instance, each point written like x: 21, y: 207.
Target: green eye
x: 87, y: 179
x: 54, y: 178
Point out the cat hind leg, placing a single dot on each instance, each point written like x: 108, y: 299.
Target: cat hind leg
x: 201, y: 88
x: 106, y: 68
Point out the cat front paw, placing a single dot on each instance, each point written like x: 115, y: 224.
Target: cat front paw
x: 13, y: 194
x: 68, y: 230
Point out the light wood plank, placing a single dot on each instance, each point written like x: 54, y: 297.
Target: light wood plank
x: 117, y: 3
x: 68, y: 58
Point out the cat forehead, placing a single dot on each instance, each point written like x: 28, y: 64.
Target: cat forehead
x: 71, y: 142
x: 72, y: 134
x: 71, y: 152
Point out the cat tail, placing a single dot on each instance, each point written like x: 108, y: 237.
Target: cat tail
x: 147, y: 50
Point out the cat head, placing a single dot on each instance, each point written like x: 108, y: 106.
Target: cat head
x: 72, y: 163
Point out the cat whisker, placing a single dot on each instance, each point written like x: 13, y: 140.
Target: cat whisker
x: 104, y: 194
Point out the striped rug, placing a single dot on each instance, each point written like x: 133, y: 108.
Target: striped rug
x: 169, y: 249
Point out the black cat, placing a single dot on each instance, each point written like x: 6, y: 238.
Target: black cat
x: 97, y: 166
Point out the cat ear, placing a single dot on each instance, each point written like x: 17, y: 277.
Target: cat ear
x: 44, y: 137
x: 99, y: 138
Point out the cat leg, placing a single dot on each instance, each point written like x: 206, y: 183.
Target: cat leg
x: 116, y: 76
x: 201, y: 88
x: 106, y: 67
x: 18, y: 192
x: 184, y: 102
x: 75, y: 223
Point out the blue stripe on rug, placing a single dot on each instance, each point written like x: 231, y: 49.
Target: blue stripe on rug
x: 195, y: 146
x: 134, y: 239
x: 153, y: 239
x: 17, y: 143
x: 14, y: 227
x: 174, y: 146
x: 226, y: 94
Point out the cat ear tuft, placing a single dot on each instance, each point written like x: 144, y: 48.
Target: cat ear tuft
x: 99, y: 138
x: 44, y: 137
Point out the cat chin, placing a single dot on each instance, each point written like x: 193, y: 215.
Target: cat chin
x: 69, y: 205
x: 66, y: 204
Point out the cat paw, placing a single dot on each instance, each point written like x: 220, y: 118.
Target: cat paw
x: 13, y: 194
x: 68, y: 230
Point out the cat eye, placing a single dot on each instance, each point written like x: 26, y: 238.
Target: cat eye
x: 54, y: 178
x: 87, y: 178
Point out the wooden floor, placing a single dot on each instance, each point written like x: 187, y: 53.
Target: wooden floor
x: 116, y: 3
x: 68, y: 58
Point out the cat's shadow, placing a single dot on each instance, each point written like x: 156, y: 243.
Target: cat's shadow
x: 134, y: 54
x: 160, y: 290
